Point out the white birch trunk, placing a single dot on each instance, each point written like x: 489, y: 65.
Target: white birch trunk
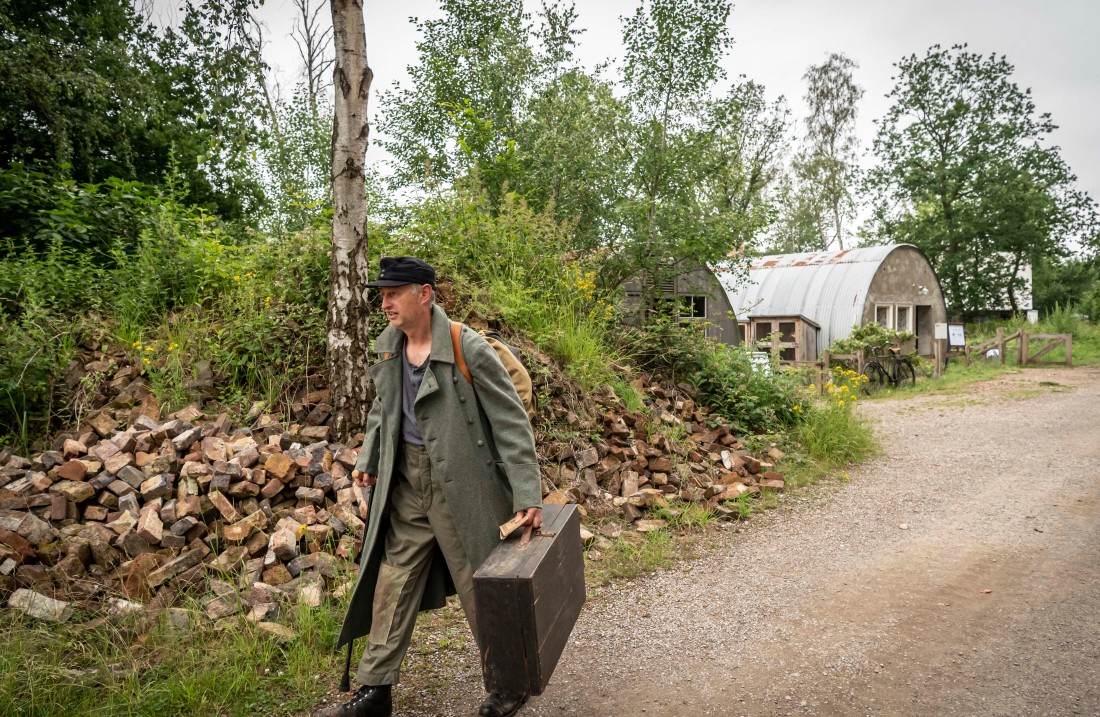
x: 348, y: 341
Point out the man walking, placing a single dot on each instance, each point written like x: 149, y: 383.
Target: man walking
x: 449, y: 462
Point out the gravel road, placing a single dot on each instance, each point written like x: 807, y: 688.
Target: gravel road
x: 957, y: 574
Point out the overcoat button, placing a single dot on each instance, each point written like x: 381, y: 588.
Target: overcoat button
x: 454, y: 379
x: 480, y: 442
x: 469, y: 420
x: 462, y: 399
x: 488, y: 461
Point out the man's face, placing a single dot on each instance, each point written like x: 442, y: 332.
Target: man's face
x: 406, y: 305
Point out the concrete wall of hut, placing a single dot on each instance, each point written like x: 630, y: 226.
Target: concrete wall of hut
x: 722, y: 322
x: 906, y: 278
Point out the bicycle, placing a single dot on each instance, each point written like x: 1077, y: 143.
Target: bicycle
x: 900, y: 370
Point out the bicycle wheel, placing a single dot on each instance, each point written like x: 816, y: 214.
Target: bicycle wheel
x: 874, y: 378
x: 907, y: 375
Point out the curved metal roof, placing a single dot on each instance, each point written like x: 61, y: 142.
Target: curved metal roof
x: 829, y: 288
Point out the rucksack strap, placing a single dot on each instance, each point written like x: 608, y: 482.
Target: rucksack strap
x: 456, y: 344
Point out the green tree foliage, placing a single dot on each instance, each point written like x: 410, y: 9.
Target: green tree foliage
x: 207, y: 77
x: 673, y: 51
x: 474, y: 70
x: 297, y: 163
x: 820, y: 201
x: 89, y: 90
x: 698, y: 165
x: 73, y: 91
x: 573, y: 154
x: 967, y: 174
x: 39, y: 213
x: 655, y: 174
x: 1070, y: 282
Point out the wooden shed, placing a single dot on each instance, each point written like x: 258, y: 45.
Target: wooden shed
x: 894, y: 285
x: 797, y: 336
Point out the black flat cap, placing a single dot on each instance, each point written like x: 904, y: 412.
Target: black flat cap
x: 402, y: 270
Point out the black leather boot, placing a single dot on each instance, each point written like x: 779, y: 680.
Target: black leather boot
x: 501, y: 705
x: 368, y: 702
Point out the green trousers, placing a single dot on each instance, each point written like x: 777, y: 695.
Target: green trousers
x: 419, y: 520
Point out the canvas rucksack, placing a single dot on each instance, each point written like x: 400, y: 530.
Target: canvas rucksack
x: 509, y: 356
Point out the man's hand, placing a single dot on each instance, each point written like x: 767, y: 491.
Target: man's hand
x: 531, y: 516
x: 363, y: 480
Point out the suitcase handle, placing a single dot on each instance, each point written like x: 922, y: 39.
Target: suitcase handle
x: 525, y: 539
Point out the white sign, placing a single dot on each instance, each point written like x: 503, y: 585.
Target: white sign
x: 761, y: 361
x: 941, y: 331
x: 956, y: 335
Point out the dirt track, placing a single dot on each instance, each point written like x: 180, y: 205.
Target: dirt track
x: 958, y: 574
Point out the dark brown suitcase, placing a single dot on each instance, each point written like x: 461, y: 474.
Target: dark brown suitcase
x: 528, y: 598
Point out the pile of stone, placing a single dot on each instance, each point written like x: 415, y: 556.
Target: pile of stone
x: 259, y: 514
x: 637, y: 467
x: 132, y: 509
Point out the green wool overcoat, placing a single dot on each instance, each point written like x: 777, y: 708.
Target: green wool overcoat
x: 480, y: 445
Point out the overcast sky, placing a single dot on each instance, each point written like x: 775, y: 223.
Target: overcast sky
x: 1052, y: 43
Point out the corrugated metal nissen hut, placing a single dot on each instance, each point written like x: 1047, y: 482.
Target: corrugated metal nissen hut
x: 815, y: 298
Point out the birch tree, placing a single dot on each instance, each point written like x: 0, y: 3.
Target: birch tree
x: 826, y: 167
x: 348, y: 340
x: 312, y: 39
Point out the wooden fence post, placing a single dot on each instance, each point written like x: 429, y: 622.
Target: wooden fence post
x: 821, y: 374
x: 1022, y: 360
x: 937, y: 356
x: 1001, y: 343
x: 1069, y: 350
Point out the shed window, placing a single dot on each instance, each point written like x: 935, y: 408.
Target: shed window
x: 904, y: 318
x: 884, y: 315
x: 786, y: 332
x: 693, y: 307
x: 762, y: 330
x: 743, y: 333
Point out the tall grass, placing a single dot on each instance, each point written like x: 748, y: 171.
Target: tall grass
x: 147, y: 665
x: 832, y: 434
x: 140, y: 667
x: 836, y: 436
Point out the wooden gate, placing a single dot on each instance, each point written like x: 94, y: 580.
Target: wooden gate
x: 1025, y: 354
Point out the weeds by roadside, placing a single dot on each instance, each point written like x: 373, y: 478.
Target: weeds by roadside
x: 151, y: 666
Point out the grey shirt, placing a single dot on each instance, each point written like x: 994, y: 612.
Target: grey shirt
x: 411, y: 378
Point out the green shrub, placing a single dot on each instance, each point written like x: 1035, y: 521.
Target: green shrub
x: 756, y: 398
x: 1063, y: 319
x: 38, y: 211
x: 870, y: 337
x: 667, y: 344
x: 35, y: 349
